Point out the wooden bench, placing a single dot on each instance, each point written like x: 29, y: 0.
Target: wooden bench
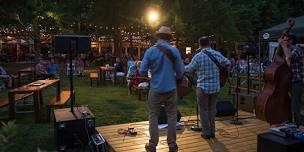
x: 5, y: 102
x: 139, y: 90
x: 65, y: 96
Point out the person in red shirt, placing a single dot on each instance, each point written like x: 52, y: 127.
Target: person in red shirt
x: 137, y: 81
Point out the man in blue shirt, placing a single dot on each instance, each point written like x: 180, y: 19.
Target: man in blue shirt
x: 163, y: 86
x: 53, y: 69
x: 208, y: 84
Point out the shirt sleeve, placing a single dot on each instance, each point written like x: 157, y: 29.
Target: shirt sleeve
x: 295, y: 55
x: 223, y: 60
x: 193, y: 65
x: 144, y: 67
x: 179, y: 66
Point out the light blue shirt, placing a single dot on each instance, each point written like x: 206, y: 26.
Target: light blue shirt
x: 131, y: 71
x: 163, y: 72
x: 207, y: 71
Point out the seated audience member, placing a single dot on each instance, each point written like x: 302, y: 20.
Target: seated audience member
x: 132, y: 70
x: 41, y: 70
x: 130, y: 75
x: 130, y: 60
x: 137, y: 81
x: 8, y: 80
x: 53, y: 69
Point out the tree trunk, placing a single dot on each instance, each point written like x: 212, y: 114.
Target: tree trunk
x: 36, y: 38
x: 37, y: 49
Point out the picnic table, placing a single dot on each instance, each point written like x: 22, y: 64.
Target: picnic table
x: 103, y: 70
x: 36, y: 88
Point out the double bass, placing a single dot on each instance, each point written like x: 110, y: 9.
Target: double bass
x: 273, y: 104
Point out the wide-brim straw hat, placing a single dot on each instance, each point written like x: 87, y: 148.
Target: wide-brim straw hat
x: 164, y: 30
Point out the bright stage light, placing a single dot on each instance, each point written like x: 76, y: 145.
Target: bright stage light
x: 153, y: 16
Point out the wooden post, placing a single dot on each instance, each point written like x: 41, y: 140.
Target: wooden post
x: 12, y: 112
x: 99, y: 47
x: 138, y: 52
x: 113, y: 48
x: 37, y: 106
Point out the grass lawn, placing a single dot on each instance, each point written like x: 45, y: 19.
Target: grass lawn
x: 110, y: 105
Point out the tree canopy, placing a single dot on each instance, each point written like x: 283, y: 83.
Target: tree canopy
x: 225, y: 20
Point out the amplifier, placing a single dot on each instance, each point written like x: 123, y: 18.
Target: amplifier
x: 268, y: 142
x: 247, y: 101
x: 73, y: 129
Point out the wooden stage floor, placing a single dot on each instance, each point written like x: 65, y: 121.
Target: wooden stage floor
x: 229, y: 138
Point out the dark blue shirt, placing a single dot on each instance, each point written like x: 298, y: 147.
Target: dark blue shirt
x: 53, y: 69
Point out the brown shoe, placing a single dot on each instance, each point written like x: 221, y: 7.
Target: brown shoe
x: 173, y: 148
x: 150, y: 148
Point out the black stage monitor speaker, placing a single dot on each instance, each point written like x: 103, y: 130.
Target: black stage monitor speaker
x: 162, y: 118
x: 74, y: 43
x: 73, y: 129
x: 225, y: 108
x: 269, y: 142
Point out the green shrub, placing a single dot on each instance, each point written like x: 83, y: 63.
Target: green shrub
x: 7, y: 135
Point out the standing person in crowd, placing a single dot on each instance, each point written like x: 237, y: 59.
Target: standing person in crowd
x: 208, y: 84
x: 79, y: 65
x: 166, y: 67
x: 295, y: 60
x: 119, y: 67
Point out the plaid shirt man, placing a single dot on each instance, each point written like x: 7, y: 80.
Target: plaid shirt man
x: 297, y: 65
x: 208, y: 72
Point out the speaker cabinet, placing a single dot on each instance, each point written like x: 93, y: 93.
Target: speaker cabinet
x: 247, y: 101
x: 75, y: 43
x: 73, y: 129
x: 268, y: 142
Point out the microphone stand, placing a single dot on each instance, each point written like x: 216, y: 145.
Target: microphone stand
x: 73, y: 48
x: 236, y: 120
x: 196, y: 127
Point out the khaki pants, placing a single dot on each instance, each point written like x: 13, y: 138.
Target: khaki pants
x: 155, y: 101
x: 207, y: 109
